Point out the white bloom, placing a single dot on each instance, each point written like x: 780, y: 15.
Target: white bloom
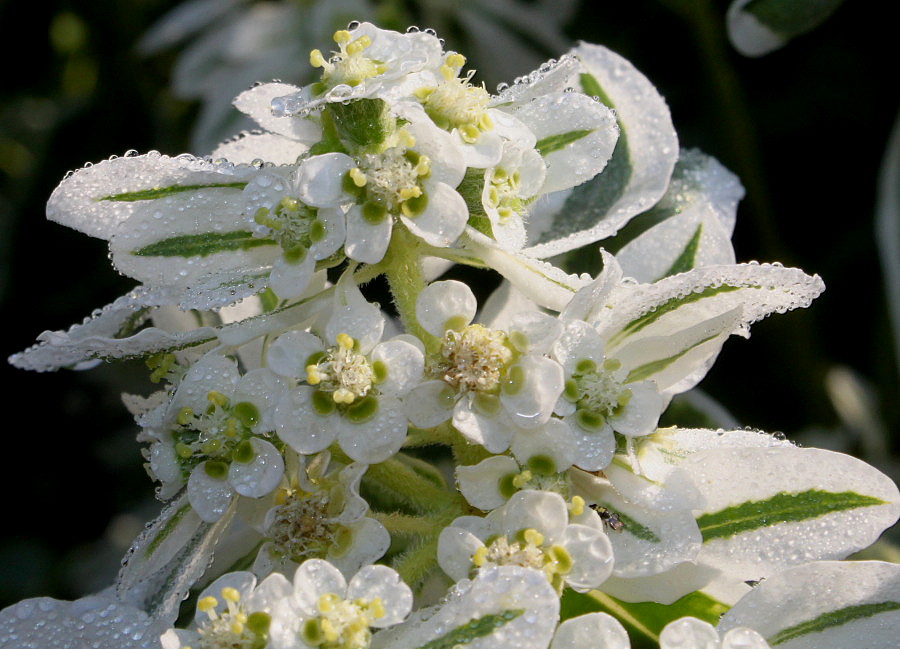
x: 352, y: 388
x: 233, y: 611
x: 320, y: 514
x: 493, y: 383
x: 216, y: 434
x: 275, y: 209
x: 325, y: 609
x: 697, y: 634
x: 589, y: 631
x: 532, y: 530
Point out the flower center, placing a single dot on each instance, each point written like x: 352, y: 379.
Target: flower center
x: 301, y: 526
x: 343, y: 372
x: 233, y: 628
x: 503, y: 193
x: 350, y: 66
x: 596, y: 392
x: 221, y: 434
x: 390, y: 182
x: 292, y: 224
x: 455, y: 103
x: 341, y: 623
x: 526, y: 549
x: 474, y: 358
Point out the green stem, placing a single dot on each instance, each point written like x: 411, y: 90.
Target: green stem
x: 409, y: 487
x: 417, y: 563
x: 466, y: 453
x: 404, y: 525
x: 403, y: 271
x: 443, y: 434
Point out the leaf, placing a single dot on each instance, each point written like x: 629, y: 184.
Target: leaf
x: 643, y: 620
x: 781, y: 508
x: 202, y: 244
x: 833, y: 605
x: 560, y: 141
x: 168, y: 558
x: 161, y: 192
x: 477, y: 628
x: 756, y: 27
x: 638, y: 171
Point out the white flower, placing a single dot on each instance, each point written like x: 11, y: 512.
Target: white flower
x: 216, y: 434
x: 233, y: 611
x: 320, y: 514
x: 591, y: 630
x: 531, y: 530
x: 352, y: 387
x: 275, y: 209
x: 493, y: 383
x: 326, y: 610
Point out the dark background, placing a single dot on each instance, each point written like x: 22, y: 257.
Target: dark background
x: 804, y: 127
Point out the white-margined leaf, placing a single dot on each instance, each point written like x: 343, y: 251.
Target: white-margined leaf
x: 638, y: 171
x: 756, y: 27
x: 824, y: 605
x: 691, y: 225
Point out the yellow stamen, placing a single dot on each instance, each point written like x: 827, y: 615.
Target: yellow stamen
x: 358, y: 177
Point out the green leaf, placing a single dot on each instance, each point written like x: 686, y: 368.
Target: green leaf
x: 477, y: 628
x: 203, y: 244
x: 559, y: 141
x: 791, y: 17
x: 643, y: 621
x: 832, y: 619
x: 167, y: 528
x: 162, y: 192
x: 781, y: 508
x: 688, y: 256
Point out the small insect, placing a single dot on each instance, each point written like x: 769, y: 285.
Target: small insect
x: 610, y: 519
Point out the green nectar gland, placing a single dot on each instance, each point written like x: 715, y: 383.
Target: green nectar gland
x: 597, y: 392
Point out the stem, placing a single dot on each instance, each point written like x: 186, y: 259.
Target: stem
x: 404, y: 275
x: 415, y: 564
x: 443, y: 434
x: 404, y: 525
x: 408, y: 486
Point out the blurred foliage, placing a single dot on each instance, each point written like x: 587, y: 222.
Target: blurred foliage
x: 804, y: 128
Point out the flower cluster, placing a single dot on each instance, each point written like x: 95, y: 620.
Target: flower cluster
x: 307, y: 434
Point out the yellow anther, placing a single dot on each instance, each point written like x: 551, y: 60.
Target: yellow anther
x: 359, y: 45
x: 343, y: 395
x: 289, y: 204
x: 410, y: 192
x: 217, y: 398
x: 423, y: 166
x: 313, y: 375
x: 230, y: 594
x: 344, y: 341
x: 358, y: 177
x: 533, y: 537
x: 342, y: 36
x: 447, y: 72
x: 327, y: 602
x: 469, y: 133
x: 522, y: 479
x: 331, y: 634
x: 281, y: 495
x: 480, y: 556
x: 405, y: 138
x: 422, y: 93
x: 624, y: 397
x: 231, y: 427
x: 455, y: 60
x: 485, y: 123
x: 612, y: 364
x: 576, y: 506
x: 207, y: 604
x: 237, y: 628
x: 376, y: 608
x: 184, y: 416
x: 316, y: 59
x: 183, y: 450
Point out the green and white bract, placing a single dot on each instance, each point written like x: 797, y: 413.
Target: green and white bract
x: 305, y: 432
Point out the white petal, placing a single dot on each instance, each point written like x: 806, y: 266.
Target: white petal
x: 641, y: 414
x: 320, y: 179
x: 493, y: 432
x: 455, y: 549
x: 257, y: 103
x: 405, y: 364
x: 314, y: 578
x: 212, y: 372
x: 209, y: 497
x: 444, y: 217
x: 579, y: 341
x: 590, y: 631
x: 299, y: 425
x: 531, y: 404
x: 537, y: 331
x: 426, y: 406
x: 335, y: 233
x: 544, y: 511
x: 270, y: 147
x: 444, y: 302
x: 553, y: 440
x: 592, y: 556
x: 370, y: 541
x: 688, y: 632
x: 354, y: 316
x: 366, y: 242
x: 376, y: 439
x: 289, y: 354
x: 259, y: 476
x: 290, y: 279
x: 480, y: 483
x: 384, y: 583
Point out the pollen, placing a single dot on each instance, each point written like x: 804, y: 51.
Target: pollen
x: 475, y: 358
